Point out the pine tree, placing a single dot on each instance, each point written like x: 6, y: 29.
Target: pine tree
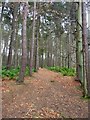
x: 33, y: 40
x: 24, y: 45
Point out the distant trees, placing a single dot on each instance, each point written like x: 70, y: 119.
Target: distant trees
x: 13, y: 10
x: 46, y: 34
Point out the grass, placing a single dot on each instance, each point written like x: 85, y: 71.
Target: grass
x: 13, y: 72
x: 63, y: 70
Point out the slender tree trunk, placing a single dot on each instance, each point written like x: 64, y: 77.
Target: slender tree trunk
x: 4, y: 56
x: 69, y: 48
x: 9, y: 60
x: 46, y: 53
x: 48, y: 62
x: 56, y: 54
x: 33, y: 40
x: 42, y: 61
x: 0, y: 70
x: 88, y: 70
x: 1, y: 15
x: 37, y: 46
x: 0, y: 51
x: 79, y: 51
x: 37, y: 53
x: 16, y: 51
x: 24, y: 45
x: 60, y: 64
x: 61, y: 53
x: 51, y: 54
x: 85, y: 48
x: 16, y: 45
x: 88, y: 52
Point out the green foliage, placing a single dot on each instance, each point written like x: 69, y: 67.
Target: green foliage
x: 34, y: 70
x: 65, y: 71
x: 27, y: 71
x: 85, y: 97
x: 13, y: 72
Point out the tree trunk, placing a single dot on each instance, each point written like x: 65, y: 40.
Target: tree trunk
x: 69, y: 48
x: 42, y: 61
x: 16, y: 45
x: 88, y: 79
x: 37, y: 46
x: 88, y: 51
x: 0, y: 50
x: 24, y: 45
x: 33, y: 40
x: 85, y: 47
x: 1, y: 14
x: 16, y: 51
x: 9, y: 60
x: 79, y: 52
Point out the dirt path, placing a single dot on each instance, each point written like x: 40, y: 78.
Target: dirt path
x: 45, y: 95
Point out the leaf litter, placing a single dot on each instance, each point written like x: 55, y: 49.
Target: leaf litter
x: 45, y: 95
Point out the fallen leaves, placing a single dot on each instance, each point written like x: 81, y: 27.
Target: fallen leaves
x: 45, y: 95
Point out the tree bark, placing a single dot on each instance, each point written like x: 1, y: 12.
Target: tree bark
x: 1, y: 15
x: 33, y: 40
x: 79, y: 51
x: 37, y: 45
x: 9, y: 60
x: 24, y: 45
x: 16, y: 44
x: 85, y: 49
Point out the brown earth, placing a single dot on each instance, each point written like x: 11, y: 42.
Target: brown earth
x: 45, y: 95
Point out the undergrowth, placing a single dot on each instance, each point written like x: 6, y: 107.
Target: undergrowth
x: 65, y: 71
x: 86, y: 97
x: 13, y: 72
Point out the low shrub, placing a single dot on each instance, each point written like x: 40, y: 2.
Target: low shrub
x: 65, y: 71
x: 13, y: 72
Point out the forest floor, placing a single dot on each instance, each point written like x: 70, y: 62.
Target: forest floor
x: 45, y: 95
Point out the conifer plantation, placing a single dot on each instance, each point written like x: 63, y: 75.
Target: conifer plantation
x: 45, y: 59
